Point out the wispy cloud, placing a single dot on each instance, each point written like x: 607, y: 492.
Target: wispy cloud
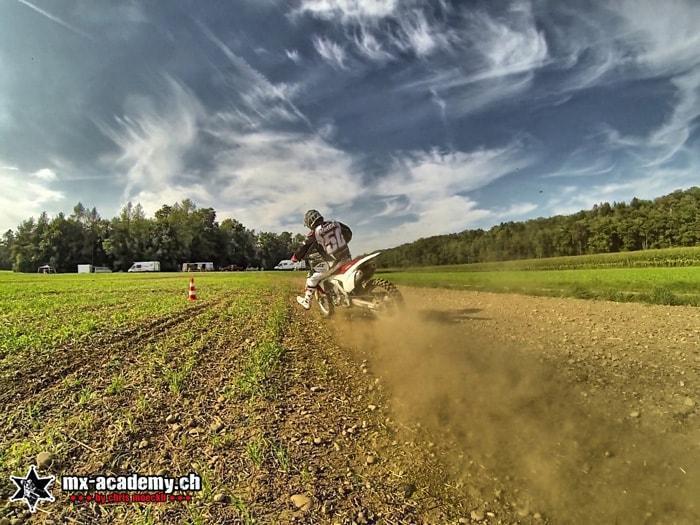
x: 293, y: 55
x: 432, y: 187
x: 330, y: 51
x: 55, y: 19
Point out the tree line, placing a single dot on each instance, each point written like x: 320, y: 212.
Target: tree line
x: 176, y: 234
x: 669, y: 221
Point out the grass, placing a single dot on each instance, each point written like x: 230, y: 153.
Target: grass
x: 658, y: 258
x: 670, y: 286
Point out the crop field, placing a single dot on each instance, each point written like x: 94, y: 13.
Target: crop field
x: 670, y: 286
x: 657, y: 258
x: 469, y: 407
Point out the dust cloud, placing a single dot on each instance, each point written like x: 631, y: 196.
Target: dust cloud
x: 513, y: 421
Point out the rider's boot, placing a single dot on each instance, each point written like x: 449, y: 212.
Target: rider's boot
x: 305, y: 301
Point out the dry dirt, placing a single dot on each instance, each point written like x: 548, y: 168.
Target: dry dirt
x: 545, y: 409
x: 468, y: 408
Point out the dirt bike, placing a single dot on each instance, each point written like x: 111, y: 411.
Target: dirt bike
x: 353, y: 285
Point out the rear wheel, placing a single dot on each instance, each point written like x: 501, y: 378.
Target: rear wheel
x: 385, y: 294
x: 325, y: 304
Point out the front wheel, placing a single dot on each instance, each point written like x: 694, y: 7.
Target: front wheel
x: 386, y: 294
x: 325, y: 304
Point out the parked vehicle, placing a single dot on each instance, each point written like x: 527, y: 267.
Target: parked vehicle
x: 89, y: 268
x: 146, y: 266
x: 288, y: 264
x: 353, y: 285
x: 46, y: 268
x: 232, y: 268
x: 198, y: 267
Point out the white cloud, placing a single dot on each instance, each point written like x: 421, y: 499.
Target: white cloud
x: 293, y: 55
x: 434, y: 184
x: 45, y: 174
x: 330, y: 51
x: 22, y: 198
x: 153, y: 141
x: 348, y: 10
x: 509, y: 46
x: 55, y: 19
x: 418, y: 35
x: 658, y: 182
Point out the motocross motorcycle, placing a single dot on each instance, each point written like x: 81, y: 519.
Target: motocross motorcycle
x: 353, y: 285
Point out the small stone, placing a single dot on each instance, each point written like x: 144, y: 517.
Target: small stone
x: 317, y: 441
x: 44, y: 460
x: 172, y: 418
x: 370, y: 459
x: 216, y: 426
x: 302, y: 502
x: 477, y: 515
x: 221, y: 498
x: 316, y: 388
x: 371, y: 408
x: 689, y: 402
x: 143, y: 443
x: 537, y: 516
x: 634, y: 414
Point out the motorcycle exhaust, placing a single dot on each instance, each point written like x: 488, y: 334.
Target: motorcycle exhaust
x: 364, y: 304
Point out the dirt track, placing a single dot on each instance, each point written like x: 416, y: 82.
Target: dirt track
x: 469, y: 408
x: 561, y: 410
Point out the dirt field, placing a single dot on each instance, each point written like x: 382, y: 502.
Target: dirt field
x: 472, y: 407
x: 563, y: 410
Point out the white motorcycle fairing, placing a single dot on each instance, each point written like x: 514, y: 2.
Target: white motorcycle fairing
x: 346, y: 280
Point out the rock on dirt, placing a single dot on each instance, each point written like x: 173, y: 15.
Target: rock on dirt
x: 221, y: 498
x: 301, y: 502
x: 44, y: 460
x: 477, y: 515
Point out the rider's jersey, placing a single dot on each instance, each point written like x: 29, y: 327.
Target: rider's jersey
x: 330, y: 240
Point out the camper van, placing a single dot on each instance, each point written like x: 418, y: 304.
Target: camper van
x: 287, y: 264
x: 198, y: 267
x: 148, y: 266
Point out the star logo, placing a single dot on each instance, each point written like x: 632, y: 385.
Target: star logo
x: 32, y: 488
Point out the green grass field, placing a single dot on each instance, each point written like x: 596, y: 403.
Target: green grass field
x: 673, y: 286
x: 661, y: 258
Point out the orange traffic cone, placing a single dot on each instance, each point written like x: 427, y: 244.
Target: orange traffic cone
x: 192, y: 296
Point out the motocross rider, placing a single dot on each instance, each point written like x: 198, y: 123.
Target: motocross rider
x: 328, y: 239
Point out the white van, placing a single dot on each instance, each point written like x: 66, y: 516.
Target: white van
x: 148, y: 266
x: 287, y: 264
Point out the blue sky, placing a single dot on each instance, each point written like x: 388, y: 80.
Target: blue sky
x: 401, y: 118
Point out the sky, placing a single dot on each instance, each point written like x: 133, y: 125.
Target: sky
x: 402, y: 118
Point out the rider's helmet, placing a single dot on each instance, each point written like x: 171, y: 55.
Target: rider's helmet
x: 312, y: 218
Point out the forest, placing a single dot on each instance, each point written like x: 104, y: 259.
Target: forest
x: 185, y: 233
x: 176, y: 234
x: 669, y: 221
